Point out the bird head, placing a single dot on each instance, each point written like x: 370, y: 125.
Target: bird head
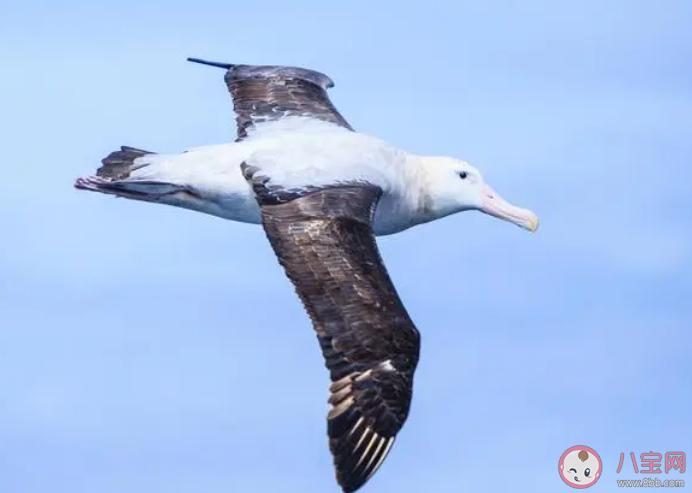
x: 454, y: 186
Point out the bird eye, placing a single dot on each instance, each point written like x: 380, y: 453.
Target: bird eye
x: 587, y: 472
x: 463, y: 175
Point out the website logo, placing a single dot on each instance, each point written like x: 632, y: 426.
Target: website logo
x: 580, y: 466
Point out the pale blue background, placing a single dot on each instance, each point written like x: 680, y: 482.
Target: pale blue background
x: 146, y: 349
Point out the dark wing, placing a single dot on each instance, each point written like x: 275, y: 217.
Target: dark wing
x: 325, y: 243
x: 263, y: 93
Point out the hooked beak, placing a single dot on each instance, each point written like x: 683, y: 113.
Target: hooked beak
x: 493, y: 204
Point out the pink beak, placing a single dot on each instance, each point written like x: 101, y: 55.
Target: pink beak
x: 496, y: 206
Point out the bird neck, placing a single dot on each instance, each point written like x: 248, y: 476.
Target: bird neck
x: 431, y: 203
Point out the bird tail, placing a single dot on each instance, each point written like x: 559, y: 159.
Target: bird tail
x: 114, y: 177
x: 119, y: 164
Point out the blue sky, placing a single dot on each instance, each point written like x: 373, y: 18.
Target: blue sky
x: 145, y: 349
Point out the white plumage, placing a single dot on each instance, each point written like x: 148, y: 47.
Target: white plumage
x: 298, y: 153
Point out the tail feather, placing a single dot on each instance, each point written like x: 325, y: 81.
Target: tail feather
x: 119, y: 164
x: 150, y: 191
x: 115, y: 177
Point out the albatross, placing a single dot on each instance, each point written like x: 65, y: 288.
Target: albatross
x: 322, y: 192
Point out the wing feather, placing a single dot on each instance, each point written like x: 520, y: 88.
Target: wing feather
x: 325, y: 243
x: 266, y: 93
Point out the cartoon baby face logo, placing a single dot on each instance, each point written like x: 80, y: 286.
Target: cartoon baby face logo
x: 580, y: 466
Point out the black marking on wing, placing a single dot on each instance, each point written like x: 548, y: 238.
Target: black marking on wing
x: 263, y: 93
x: 325, y: 243
x: 268, y: 193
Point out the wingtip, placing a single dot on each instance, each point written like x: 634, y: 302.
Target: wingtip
x: 226, y: 66
x: 358, y: 450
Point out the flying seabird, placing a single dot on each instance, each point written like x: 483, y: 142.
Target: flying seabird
x: 322, y: 192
